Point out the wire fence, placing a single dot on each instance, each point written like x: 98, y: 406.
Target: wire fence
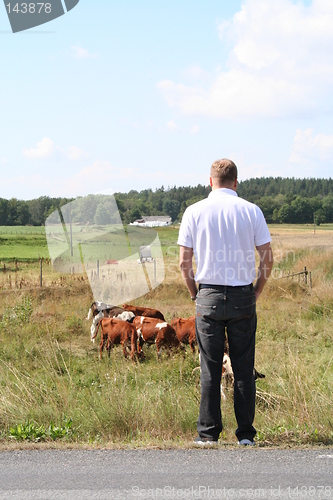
x: 307, y: 277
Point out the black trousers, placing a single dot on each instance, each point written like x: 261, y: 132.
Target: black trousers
x: 232, y: 308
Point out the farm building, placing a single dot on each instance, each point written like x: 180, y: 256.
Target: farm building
x: 153, y: 221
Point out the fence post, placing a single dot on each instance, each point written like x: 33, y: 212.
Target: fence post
x: 154, y: 271
x: 305, y: 276
x: 41, y: 273
x: 98, y: 269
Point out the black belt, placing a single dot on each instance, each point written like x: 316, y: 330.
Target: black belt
x: 226, y: 287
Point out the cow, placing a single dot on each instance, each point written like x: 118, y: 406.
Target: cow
x: 227, y: 374
x: 108, y: 310
x: 144, y: 311
x: 185, y: 330
x: 115, y: 331
x: 153, y: 331
x: 101, y: 310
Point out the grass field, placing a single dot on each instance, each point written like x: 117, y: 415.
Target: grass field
x: 54, y: 389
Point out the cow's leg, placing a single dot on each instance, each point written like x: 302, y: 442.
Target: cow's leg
x: 134, y: 345
x: 140, y: 345
x: 101, y: 347
x: 109, y: 347
x: 125, y: 349
x: 158, y: 347
x: 141, y: 354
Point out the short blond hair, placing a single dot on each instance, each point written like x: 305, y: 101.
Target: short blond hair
x: 223, y: 171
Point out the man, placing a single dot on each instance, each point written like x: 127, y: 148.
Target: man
x: 221, y: 232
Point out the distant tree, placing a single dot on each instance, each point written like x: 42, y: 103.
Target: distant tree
x: 22, y: 213
x: 107, y: 212
x: 281, y: 200
x: 182, y: 210
x: 319, y: 216
x: 12, y: 212
x: 172, y: 208
x: 302, y: 212
x: 50, y: 211
x: 328, y: 208
x: 84, y: 209
x: 36, y: 211
x: 268, y: 204
x: 3, y: 212
x: 286, y: 214
x: 134, y: 214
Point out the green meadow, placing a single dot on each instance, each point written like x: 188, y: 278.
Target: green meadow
x: 54, y: 390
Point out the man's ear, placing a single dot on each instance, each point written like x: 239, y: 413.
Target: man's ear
x: 210, y: 181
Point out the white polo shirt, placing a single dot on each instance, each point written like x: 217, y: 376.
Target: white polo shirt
x: 223, y: 231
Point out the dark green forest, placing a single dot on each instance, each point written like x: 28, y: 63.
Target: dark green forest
x: 282, y: 200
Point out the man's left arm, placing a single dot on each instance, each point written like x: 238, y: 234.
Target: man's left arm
x: 186, y: 267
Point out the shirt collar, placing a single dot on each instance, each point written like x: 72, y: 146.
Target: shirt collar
x: 223, y: 191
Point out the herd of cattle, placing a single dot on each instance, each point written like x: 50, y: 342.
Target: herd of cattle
x: 133, y: 326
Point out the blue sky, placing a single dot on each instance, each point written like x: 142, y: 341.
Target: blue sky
x: 120, y: 95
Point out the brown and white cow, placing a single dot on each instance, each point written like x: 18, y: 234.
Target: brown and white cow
x: 114, y: 332
x: 101, y: 310
x: 154, y: 331
x: 185, y: 330
x: 148, y: 312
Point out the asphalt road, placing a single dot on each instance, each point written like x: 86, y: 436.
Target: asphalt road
x: 173, y: 474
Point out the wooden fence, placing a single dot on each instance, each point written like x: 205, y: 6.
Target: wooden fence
x: 305, y: 275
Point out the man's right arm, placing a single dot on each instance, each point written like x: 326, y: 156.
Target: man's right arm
x: 186, y: 267
x: 265, y: 267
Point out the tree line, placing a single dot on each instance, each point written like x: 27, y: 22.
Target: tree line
x: 282, y: 200
x: 15, y: 212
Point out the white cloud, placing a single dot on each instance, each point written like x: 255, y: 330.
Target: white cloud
x: 138, y: 125
x: 81, y: 53
x: 45, y: 149
x: 75, y: 153
x: 194, y: 129
x: 35, y: 185
x: 280, y: 64
x: 307, y: 146
x: 195, y: 72
x: 172, y: 125
x: 95, y: 178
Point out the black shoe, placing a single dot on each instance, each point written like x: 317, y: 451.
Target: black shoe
x: 205, y: 441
